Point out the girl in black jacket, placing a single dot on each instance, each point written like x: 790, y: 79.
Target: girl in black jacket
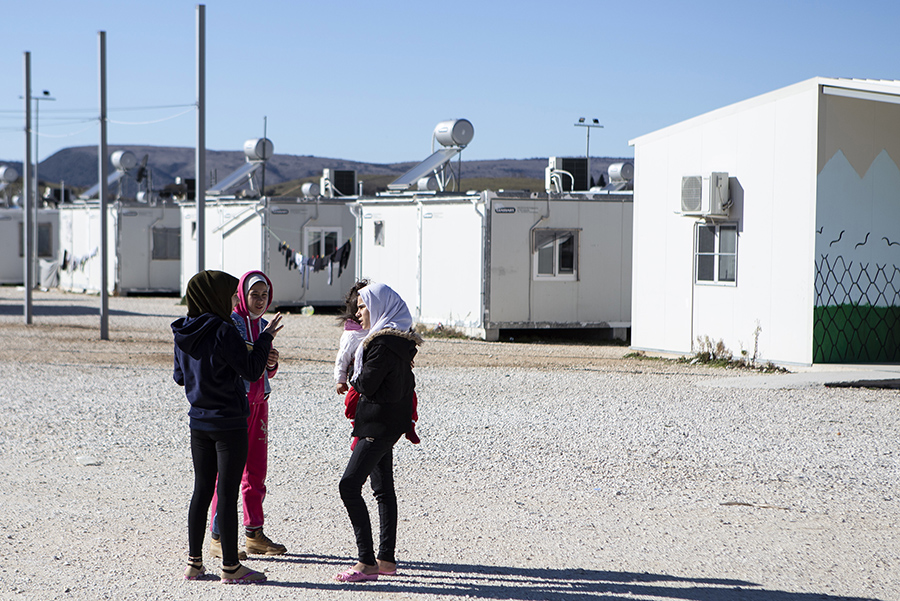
x: 211, y: 357
x: 384, y: 380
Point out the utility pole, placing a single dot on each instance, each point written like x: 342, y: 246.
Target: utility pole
x: 200, y: 152
x: 103, y: 167
x: 27, y: 234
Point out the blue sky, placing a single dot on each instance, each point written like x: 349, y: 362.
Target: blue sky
x: 368, y: 81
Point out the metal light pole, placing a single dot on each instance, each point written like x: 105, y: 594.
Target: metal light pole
x: 37, y: 188
x: 37, y: 134
x: 582, y: 122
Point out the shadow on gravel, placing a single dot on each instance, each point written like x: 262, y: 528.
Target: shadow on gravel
x: 67, y: 311
x: 497, y: 582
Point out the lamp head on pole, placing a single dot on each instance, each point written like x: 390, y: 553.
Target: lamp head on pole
x: 583, y: 122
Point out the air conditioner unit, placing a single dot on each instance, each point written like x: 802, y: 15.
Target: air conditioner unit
x: 575, y: 176
x: 705, y: 196
x: 337, y: 182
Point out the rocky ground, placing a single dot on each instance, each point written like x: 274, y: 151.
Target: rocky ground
x: 546, y: 471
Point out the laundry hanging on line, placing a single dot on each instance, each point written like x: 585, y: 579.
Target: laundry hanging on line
x: 295, y: 260
x: 71, y: 264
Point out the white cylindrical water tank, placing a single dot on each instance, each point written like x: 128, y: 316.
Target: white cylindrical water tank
x: 259, y: 149
x: 310, y: 189
x: 8, y: 174
x: 427, y: 183
x: 123, y: 160
x: 454, y: 132
x: 621, y: 172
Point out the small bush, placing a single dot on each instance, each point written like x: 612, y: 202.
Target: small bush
x: 716, y: 354
x: 439, y: 331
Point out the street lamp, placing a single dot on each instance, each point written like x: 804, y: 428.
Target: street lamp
x: 582, y: 122
x: 37, y: 195
x: 37, y: 134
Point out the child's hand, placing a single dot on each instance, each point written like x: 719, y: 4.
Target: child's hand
x: 275, y: 325
x: 342, y: 388
x: 411, y: 435
x: 273, y: 358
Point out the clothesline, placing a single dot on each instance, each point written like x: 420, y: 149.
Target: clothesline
x: 296, y: 260
x: 72, y: 263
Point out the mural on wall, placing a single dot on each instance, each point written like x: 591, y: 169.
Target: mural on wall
x: 857, y: 312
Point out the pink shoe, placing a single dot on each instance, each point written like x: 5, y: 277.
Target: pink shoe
x: 352, y: 575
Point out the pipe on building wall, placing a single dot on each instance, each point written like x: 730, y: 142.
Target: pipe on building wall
x: 303, y: 225
x: 531, y: 254
x: 356, y: 211
x: 485, y: 265
x: 419, y: 207
x: 162, y: 215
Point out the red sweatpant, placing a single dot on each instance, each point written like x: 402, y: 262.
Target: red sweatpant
x: 253, y: 482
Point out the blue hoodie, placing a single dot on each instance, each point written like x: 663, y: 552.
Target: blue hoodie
x: 210, y: 360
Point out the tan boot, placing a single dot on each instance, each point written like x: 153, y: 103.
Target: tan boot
x: 215, y: 550
x: 241, y: 575
x: 260, y: 544
x: 194, y: 569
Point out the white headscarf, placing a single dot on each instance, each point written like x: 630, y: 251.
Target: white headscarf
x: 386, y: 311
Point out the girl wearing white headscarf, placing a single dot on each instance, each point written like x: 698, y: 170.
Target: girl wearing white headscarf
x: 384, y: 380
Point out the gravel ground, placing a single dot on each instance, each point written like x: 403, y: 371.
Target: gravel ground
x: 546, y: 471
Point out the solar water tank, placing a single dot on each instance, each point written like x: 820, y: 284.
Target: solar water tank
x: 259, y: 149
x: 454, y: 132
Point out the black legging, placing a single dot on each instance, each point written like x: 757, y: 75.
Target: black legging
x: 223, y: 454
x: 373, y: 459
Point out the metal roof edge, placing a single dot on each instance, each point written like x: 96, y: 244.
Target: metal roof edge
x: 796, y: 88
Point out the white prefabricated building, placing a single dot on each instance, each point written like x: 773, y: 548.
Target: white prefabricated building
x: 246, y: 234
x: 144, y: 247
x: 12, y: 260
x: 773, y: 225
x: 485, y: 261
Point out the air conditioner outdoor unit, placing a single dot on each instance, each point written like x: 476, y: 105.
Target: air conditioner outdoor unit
x: 337, y: 182
x: 574, y: 176
x: 705, y: 196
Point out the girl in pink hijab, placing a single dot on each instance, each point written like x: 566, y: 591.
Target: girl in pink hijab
x: 255, y: 291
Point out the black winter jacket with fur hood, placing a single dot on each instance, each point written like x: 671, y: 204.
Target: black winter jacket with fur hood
x: 386, y: 384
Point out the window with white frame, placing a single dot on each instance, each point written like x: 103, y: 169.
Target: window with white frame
x: 715, y: 253
x: 555, y: 253
x: 321, y: 241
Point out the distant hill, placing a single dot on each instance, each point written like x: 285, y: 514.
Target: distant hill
x: 77, y: 166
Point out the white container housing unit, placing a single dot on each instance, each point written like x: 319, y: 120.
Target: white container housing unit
x: 773, y: 225
x: 271, y: 234
x: 12, y: 261
x: 144, y: 248
x: 490, y: 261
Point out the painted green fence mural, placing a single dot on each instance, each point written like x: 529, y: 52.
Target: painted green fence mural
x: 857, y: 312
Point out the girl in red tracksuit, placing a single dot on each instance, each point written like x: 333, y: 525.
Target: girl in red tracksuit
x: 255, y: 291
